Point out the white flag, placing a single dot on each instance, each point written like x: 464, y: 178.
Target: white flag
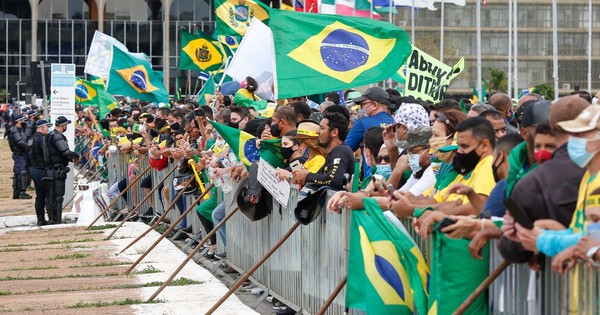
x: 428, y: 4
x: 100, y: 55
x: 255, y: 58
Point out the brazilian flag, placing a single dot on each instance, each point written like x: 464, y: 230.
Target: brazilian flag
x: 244, y: 146
x: 233, y: 42
x: 106, y: 103
x: 201, y: 52
x: 208, y: 88
x: 234, y: 16
x: 386, y: 271
x: 317, y: 53
x: 86, y: 92
x: 242, y: 100
x: 134, y: 77
x: 400, y: 75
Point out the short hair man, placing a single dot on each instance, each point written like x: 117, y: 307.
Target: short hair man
x: 375, y: 103
x: 284, y: 119
x: 497, y: 121
x: 240, y: 116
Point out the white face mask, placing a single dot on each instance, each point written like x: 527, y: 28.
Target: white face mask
x: 219, y: 142
x: 594, y: 101
x: 413, y: 162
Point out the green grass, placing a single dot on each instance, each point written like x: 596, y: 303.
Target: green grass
x: 102, y: 227
x: 77, y: 275
x: 70, y: 241
x: 5, y: 293
x: 127, y: 301
x: 33, y: 268
x: 102, y: 264
x: 175, y: 283
x: 90, y: 233
x: 70, y: 256
x: 148, y: 269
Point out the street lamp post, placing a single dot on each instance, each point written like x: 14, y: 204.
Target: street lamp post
x: 18, y: 84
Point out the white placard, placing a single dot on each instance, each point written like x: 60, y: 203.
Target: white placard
x: 280, y: 190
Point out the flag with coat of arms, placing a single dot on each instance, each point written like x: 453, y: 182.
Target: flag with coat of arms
x: 317, y: 53
x: 387, y: 273
x: 134, y: 77
x: 233, y: 16
x: 201, y: 52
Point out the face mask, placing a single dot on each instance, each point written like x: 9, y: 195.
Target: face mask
x: 384, y: 170
x: 232, y: 124
x: 578, y: 152
x: 219, y: 143
x: 436, y: 144
x: 465, y: 163
x: 495, y: 167
x: 175, y: 126
x: 594, y: 101
x: 286, y: 152
x: 275, y: 131
x: 413, y: 162
x: 361, y: 113
x: 542, y: 156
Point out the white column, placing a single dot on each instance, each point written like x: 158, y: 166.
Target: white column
x: 555, y: 47
x: 100, y: 5
x: 442, y: 33
x: 589, y: 88
x: 166, y: 53
x: 510, y: 30
x: 34, y: 33
x: 516, y: 49
x: 478, y: 25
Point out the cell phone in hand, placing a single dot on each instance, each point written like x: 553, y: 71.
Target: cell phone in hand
x: 444, y: 223
x: 391, y: 190
x: 295, y: 165
x: 518, y: 214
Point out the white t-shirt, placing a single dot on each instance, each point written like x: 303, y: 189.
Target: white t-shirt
x: 417, y: 186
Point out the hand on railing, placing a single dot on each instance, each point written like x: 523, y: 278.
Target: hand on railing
x: 528, y: 237
x: 508, y: 228
x: 299, y: 176
x: 237, y: 172
x: 283, y: 174
x: 564, y: 261
x: 424, y: 224
x: 465, y: 226
x: 344, y: 201
x: 480, y: 239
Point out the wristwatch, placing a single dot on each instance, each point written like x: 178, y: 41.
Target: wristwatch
x: 592, y: 252
x: 290, y: 177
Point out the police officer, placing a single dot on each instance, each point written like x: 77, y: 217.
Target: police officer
x: 37, y: 150
x: 29, y: 126
x: 59, y: 158
x: 18, y: 145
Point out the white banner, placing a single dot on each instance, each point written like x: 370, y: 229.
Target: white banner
x: 280, y: 190
x: 100, y: 54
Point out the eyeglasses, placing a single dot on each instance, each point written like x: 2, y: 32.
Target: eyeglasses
x: 364, y: 104
x: 385, y: 158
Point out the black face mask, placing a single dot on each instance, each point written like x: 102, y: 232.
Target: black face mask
x: 232, y: 124
x: 175, y: 126
x: 495, y: 170
x: 287, y: 152
x: 275, y: 131
x: 153, y: 133
x: 464, y: 163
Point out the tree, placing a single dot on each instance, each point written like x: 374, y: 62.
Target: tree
x: 546, y: 90
x: 498, y: 81
x: 4, y: 95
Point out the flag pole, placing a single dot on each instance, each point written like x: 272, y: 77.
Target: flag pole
x: 478, y: 30
x: 160, y: 219
x: 412, y: 22
x: 371, y: 9
x: 442, y: 33
x: 590, y: 47
x: 135, y: 180
x: 134, y: 210
x: 510, y: 30
x: 516, y: 49
x: 555, y: 47
x: 170, y: 229
x: 333, y: 295
x: 254, y: 268
x: 192, y: 253
x: 482, y: 287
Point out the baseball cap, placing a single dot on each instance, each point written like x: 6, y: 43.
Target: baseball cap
x: 376, y: 94
x: 61, y: 120
x: 352, y: 96
x: 42, y: 122
x: 20, y: 117
x: 416, y: 137
x: 535, y: 113
x: 411, y: 115
x: 588, y: 120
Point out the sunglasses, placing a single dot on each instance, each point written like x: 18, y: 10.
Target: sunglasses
x: 385, y: 158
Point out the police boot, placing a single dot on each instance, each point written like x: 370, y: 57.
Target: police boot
x: 16, y: 188
x: 24, y: 182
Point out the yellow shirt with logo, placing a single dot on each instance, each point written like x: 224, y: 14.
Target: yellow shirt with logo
x: 314, y: 165
x: 588, y: 184
x: 481, y: 179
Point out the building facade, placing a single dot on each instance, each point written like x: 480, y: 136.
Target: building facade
x: 62, y: 30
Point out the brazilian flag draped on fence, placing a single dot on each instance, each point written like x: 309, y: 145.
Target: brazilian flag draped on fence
x: 386, y: 271
x: 86, y: 92
x: 131, y: 76
x: 201, y: 52
x: 244, y: 146
x: 233, y: 17
x: 317, y: 53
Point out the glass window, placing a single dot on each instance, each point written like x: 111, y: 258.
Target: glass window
x: 185, y: 10
x: 135, y: 10
x: 15, y: 9
x: 63, y: 9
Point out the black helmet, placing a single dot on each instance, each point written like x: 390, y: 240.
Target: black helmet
x: 309, y: 208
x: 253, y: 211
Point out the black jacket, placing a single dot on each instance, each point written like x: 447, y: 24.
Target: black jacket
x: 337, y: 170
x: 547, y: 192
x: 17, y: 140
x: 58, y: 148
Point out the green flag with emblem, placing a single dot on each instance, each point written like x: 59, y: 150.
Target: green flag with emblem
x: 233, y: 16
x: 317, y: 53
x: 201, y: 52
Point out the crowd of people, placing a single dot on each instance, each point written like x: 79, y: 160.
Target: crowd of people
x: 455, y: 170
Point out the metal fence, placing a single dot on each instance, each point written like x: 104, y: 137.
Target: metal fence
x: 311, y: 263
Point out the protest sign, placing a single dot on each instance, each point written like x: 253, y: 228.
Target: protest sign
x: 280, y: 190
x: 428, y: 78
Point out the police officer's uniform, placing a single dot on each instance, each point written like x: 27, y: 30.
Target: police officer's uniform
x: 29, y: 125
x: 37, y: 149
x: 59, y: 157
x: 18, y: 145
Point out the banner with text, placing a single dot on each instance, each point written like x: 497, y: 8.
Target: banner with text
x: 428, y: 78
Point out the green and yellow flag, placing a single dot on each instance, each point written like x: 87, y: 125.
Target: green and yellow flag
x: 106, y: 103
x: 244, y: 146
x: 86, y: 92
x: 234, y: 16
x: 177, y: 96
x: 233, y: 42
x: 317, y: 53
x: 386, y: 271
x: 134, y: 77
x: 201, y: 52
